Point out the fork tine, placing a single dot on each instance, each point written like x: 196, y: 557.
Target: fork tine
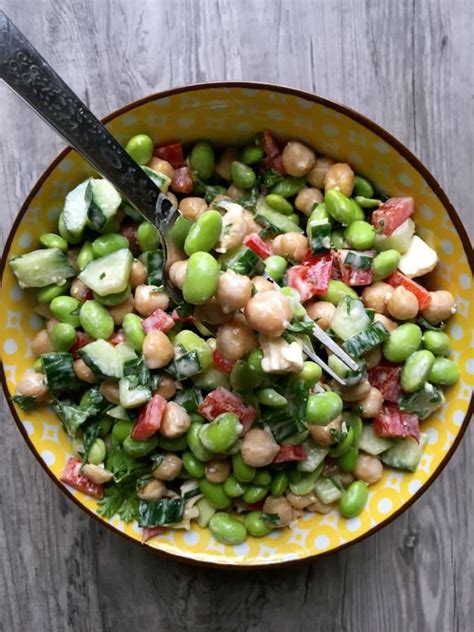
x: 338, y: 351
x: 312, y: 355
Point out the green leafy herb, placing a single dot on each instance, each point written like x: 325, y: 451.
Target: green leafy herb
x: 121, y: 500
x: 427, y: 325
x: 270, y: 178
x: 124, y: 467
x: 71, y: 415
x: 24, y: 402
x: 250, y: 198
x: 288, y: 421
x: 300, y: 327
x: 93, y: 402
x: 90, y: 433
x: 272, y: 518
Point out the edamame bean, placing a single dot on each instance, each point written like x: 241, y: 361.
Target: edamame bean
x: 106, y: 244
x: 251, y: 154
x: 306, y: 483
x: 357, y: 210
x: 416, y: 370
x: 140, y: 148
x: 227, y: 529
x: 275, y: 267
x: 62, y: 336
x: 202, y: 278
x: 65, y: 234
x: 210, y: 379
x: 404, y: 341
x: 112, y: 225
x: 66, y: 309
x: 323, y: 408
x: 362, y: 187
x: 50, y: 240
x: 355, y: 422
x: 242, y: 176
x: 242, y: 472
x: 113, y: 299
x: 437, y: 342
x: 271, y: 398
x: 172, y: 444
x: 310, y: 374
x: 204, y: 233
x: 294, y: 476
x: 179, y: 231
x: 242, y: 378
x: 262, y: 477
x: 255, y: 361
x: 336, y: 292
x: 278, y: 203
x: 295, y: 218
x: 289, y: 186
x: 360, y: 235
x: 85, y: 256
x: 337, y: 239
x: 97, y: 452
x: 256, y: 524
x: 195, y: 443
x: 343, y: 445
x: 38, y: 366
x: 279, y: 484
x: 193, y: 466
x: 138, y: 449
x: 214, y: 494
x: 148, y: 237
x: 367, y: 202
x: 354, y: 499
x: 105, y: 424
x: 348, y: 460
x: 202, y: 159
x: 219, y: 435
x: 234, y: 488
x: 385, y: 263
x: 192, y: 342
x: 339, y: 207
x: 319, y: 213
x: 96, y: 320
x: 444, y: 372
x: 121, y: 430
x: 254, y: 493
x: 46, y: 294
x: 132, y: 327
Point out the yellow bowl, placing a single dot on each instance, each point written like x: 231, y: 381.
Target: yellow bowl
x: 233, y: 113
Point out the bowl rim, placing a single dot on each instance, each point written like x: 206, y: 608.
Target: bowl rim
x: 372, y: 126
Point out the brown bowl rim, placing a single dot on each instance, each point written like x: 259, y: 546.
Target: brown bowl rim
x: 373, y: 127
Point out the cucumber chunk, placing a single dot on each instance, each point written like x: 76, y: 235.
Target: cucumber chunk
x: 76, y: 208
x: 406, y: 453
x: 109, y: 274
x: 399, y: 240
x: 162, y: 182
x: 104, y: 204
x: 327, y: 491
x: 274, y: 220
x: 349, y: 318
x: 42, y: 267
x: 102, y: 358
x: 132, y: 397
x: 373, y: 444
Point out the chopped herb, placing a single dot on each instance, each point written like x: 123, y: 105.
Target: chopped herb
x: 102, y: 275
x: 71, y: 415
x: 121, y: 500
x: 124, y: 467
x: 270, y: 178
x: 250, y: 198
x: 272, y: 518
x: 24, y: 402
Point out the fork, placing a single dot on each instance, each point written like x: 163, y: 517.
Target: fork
x: 28, y: 74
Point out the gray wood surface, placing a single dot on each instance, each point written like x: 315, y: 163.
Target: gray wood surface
x: 408, y: 64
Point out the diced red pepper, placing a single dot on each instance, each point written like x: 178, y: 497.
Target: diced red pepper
x: 148, y: 421
x: 82, y: 340
x: 311, y: 279
x: 354, y: 276
x: 182, y: 181
x: 258, y: 506
x: 172, y: 152
x: 222, y: 363
x: 158, y: 321
x: 149, y: 532
x: 180, y: 319
x: 223, y: 401
x: 392, y: 213
x: 290, y: 453
x: 72, y: 476
x: 129, y: 231
x: 273, y: 152
x: 117, y: 337
x: 397, y: 278
x: 392, y: 422
x: 256, y: 243
x: 386, y: 377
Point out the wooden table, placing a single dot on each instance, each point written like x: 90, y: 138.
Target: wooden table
x: 407, y: 64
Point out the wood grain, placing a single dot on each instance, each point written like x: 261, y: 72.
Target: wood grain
x: 408, y: 65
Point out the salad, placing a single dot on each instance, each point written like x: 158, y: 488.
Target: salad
x: 207, y: 410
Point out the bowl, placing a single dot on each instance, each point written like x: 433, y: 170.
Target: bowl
x: 228, y: 113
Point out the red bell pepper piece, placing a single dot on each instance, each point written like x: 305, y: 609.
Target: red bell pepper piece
x: 148, y: 421
x: 397, y: 278
x: 354, y: 276
x: 180, y: 319
x: 117, y: 337
x: 149, y: 532
x: 222, y: 363
x: 258, y: 506
x: 82, y: 340
x: 129, y: 231
x: 392, y: 213
x: 158, y: 321
x: 392, y: 422
x: 256, y: 243
x: 72, y: 476
x: 290, y: 453
x: 223, y: 401
x: 311, y: 279
x: 172, y: 152
x: 273, y: 152
x: 386, y: 377
x: 182, y: 181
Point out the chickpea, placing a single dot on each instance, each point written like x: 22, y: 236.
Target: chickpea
x: 441, y: 307
x: 324, y: 435
x: 138, y: 274
x: 341, y: 177
x: 373, y: 357
x: 41, y: 343
x: 148, y: 298
x: 210, y: 312
x: 153, y: 490
x: 318, y: 173
x: 269, y: 313
x: 97, y: 473
x: 217, y: 470
x: 235, y: 338
x: 297, y: 158
x: 371, y: 404
x: 319, y: 507
x: 307, y: 198
x: 172, y: 198
x: 402, y: 305
x: 118, y: 312
x: 175, y: 253
x: 301, y: 502
x: 376, y: 296
x: 259, y: 448
x: 386, y: 322
x: 177, y: 272
x: 161, y: 166
x: 169, y: 468
x: 281, y: 507
x: 110, y: 390
x: 166, y: 387
x: 261, y: 284
x: 321, y: 312
x: 291, y: 246
x: 192, y: 207
x: 252, y: 226
x: 83, y: 372
x: 235, y: 193
x: 72, y: 255
x: 368, y: 468
x: 234, y: 291
x: 157, y: 350
x: 225, y: 160
x: 52, y: 322
x: 346, y: 478
x: 175, y: 421
x: 354, y: 393
x: 79, y: 291
x: 34, y: 385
